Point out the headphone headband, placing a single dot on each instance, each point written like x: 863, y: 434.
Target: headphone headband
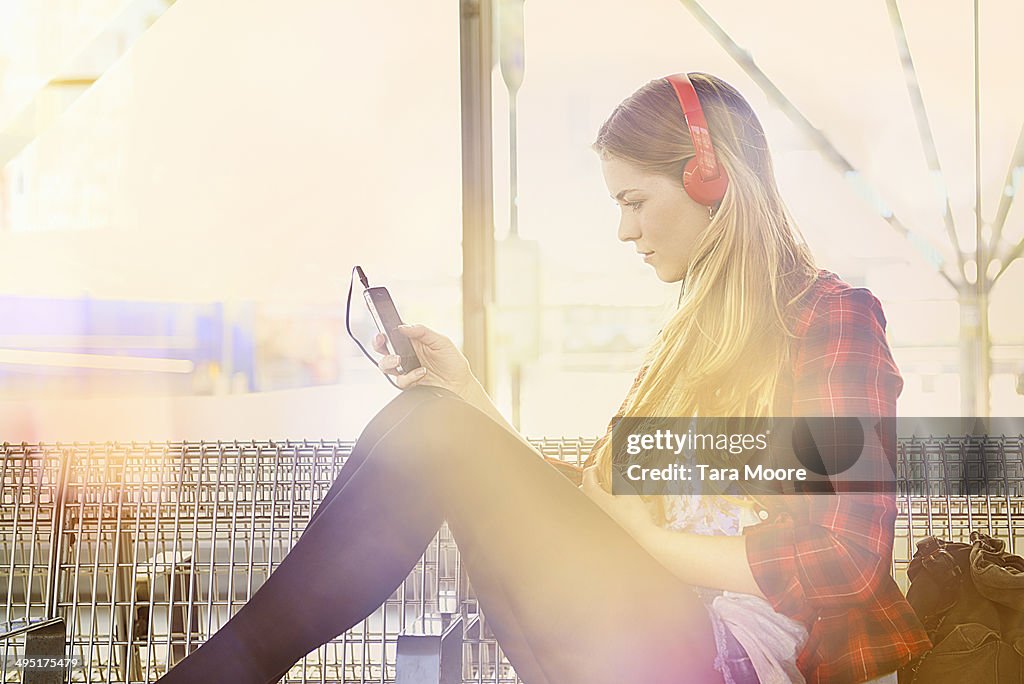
x: 704, y: 179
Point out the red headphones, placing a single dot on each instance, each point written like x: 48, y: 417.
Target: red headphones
x: 704, y: 179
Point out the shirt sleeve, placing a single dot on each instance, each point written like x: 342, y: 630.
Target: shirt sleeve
x: 836, y: 548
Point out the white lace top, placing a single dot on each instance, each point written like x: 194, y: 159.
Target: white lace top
x: 772, y: 640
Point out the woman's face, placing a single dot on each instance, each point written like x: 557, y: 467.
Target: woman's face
x: 656, y: 215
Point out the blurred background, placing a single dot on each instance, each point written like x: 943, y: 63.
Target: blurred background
x: 185, y: 187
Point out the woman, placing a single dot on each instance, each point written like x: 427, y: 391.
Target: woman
x: 580, y: 585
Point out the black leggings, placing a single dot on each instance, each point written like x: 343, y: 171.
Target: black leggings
x: 570, y: 596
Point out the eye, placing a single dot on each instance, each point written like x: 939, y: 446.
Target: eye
x: 635, y: 206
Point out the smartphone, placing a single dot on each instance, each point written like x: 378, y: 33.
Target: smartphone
x: 385, y: 315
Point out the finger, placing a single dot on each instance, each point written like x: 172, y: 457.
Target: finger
x: 379, y: 343
x: 389, y: 364
x: 589, y: 479
x: 406, y: 380
x: 621, y: 484
x: 429, y: 338
x: 593, y: 476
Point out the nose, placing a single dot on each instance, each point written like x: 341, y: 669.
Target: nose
x: 629, y: 228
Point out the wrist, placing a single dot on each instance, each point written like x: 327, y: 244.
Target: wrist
x: 475, y: 394
x: 471, y: 390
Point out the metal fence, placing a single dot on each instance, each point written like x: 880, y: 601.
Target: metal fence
x: 145, y: 549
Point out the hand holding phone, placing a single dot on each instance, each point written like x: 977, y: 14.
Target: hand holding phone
x: 444, y: 364
x: 385, y: 316
x: 414, y: 354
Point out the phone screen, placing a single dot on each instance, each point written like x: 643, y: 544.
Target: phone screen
x: 385, y: 315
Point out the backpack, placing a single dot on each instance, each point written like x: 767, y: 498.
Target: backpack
x: 970, y: 599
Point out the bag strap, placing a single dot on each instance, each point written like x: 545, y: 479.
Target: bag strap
x: 943, y: 570
x: 939, y: 563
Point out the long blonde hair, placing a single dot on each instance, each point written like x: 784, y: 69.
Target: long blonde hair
x: 723, y: 350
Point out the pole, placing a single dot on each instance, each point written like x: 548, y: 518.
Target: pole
x: 982, y: 351
x: 475, y: 59
x: 512, y: 59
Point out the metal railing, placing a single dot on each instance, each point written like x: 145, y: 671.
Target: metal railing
x: 146, y: 549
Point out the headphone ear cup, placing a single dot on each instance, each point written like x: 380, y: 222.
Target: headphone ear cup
x: 702, y: 191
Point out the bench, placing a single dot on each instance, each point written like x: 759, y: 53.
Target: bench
x: 143, y: 550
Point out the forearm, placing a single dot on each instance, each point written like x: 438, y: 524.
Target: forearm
x: 478, y: 397
x: 718, y: 562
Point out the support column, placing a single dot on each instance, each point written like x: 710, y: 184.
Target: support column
x: 975, y: 353
x: 476, y: 60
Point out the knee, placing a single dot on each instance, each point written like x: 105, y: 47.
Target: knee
x: 427, y: 420
x: 421, y: 394
x: 438, y: 418
x: 406, y: 403
x: 434, y: 391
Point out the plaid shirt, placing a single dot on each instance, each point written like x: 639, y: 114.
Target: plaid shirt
x: 825, y: 559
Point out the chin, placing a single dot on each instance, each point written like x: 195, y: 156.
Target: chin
x: 669, y: 277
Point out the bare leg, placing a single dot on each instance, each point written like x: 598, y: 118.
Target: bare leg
x: 570, y: 596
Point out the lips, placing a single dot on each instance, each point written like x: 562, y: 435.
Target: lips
x: 646, y: 255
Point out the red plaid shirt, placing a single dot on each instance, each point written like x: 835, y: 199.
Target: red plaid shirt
x: 825, y: 559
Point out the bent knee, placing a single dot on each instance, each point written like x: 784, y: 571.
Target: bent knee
x: 428, y: 420
x: 439, y: 418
